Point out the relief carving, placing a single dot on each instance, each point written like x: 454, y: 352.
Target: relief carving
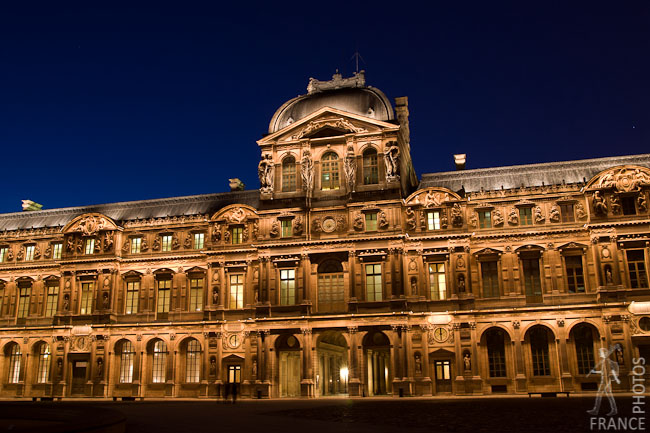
x: 265, y: 171
x: 144, y: 246
x: 497, y: 218
x: 600, y: 207
x: 187, y: 244
x: 539, y: 215
x: 21, y: 253
x: 332, y: 123
x: 126, y: 245
x: 410, y: 218
x: 275, y: 229
x: 554, y: 215
x: 298, y: 226
x: 456, y: 215
x: 256, y: 230
x: 383, y: 221
x: 580, y: 211
x: 156, y: 244
x: 624, y: 179
x: 37, y: 253
x: 175, y: 243
x: 48, y: 251
x: 216, y: 233
x: 513, y: 217
x: 615, y: 202
x: 358, y: 224
x: 350, y: 169
x: 641, y: 203
x: 109, y: 240
x: 391, y: 160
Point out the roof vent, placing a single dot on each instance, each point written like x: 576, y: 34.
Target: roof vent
x: 460, y: 159
x: 30, y: 205
x: 236, y: 184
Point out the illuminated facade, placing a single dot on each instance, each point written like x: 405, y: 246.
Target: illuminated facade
x: 343, y: 274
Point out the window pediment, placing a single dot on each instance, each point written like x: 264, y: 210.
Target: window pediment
x: 235, y: 214
x: 432, y: 197
x: 572, y: 246
x: 488, y: 252
x: 90, y: 224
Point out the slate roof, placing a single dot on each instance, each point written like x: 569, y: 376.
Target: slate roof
x: 550, y: 173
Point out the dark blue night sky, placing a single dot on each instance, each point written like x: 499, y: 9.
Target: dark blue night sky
x: 101, y: 102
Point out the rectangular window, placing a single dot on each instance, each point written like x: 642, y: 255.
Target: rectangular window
x: 629, y: 206
x: 636, y: 268
x: 166, y: 243
x: 29, y: 252
x: 287, y: 286
x: 567, y: 213
x: 287, y: 228
x: 485, y: 219
x: 433, y: 220
x: 237, y: 235
x: 373, y: 283
x: 199, y: 241
x: 234, y: 373
x: 371, y: 222
x: 525, y: 216
x: 490, y: 278
x: 56, y: 250
x: 132, y: 296
x: 532, y: 281
x: 196, y: 294
x: 52, y: 300
x: 136, y: 244
x: 3, y: 254
x: 86, y: 298
x: 437, y: 281
x: 23, y: 302
x: 164, y: 289
x: 236, y: 291
x: 90, y: 246
x: 574, y: 274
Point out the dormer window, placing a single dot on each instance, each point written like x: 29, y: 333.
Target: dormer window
x: 628, y: 204
x: 485, y: 219
x: 433, y: 220
x: 166, y: 243
x: 57, y: 247
x: 330, y: 171
x: 4, y: 251
x: 237, y: 235
x: 136, y: 245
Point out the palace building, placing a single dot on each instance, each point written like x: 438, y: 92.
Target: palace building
x: 344, y: 274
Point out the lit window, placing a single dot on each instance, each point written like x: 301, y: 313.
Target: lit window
x: 164, y: 288
x: 490, y: 279
x: 289, y: 174
x: 196, y: 294
x: 136, y: 244
x: 126, y: 362
x: 236, y: 291
x: 287, y: 228
x: 193, y: 362
x: 567, y: 213
x: 29, y: 252
x: 86, y: 298
x: 14, y: 364
x: 371, y: 222
x: 636, y: 268
x: 159, y: 357
x: 166, y: 243
x: 525, y: 216
x: 44, y: 357
x: 539, y: 351
x: 90, y: 246
x: 132, y: 295
x: 574, y: 274
x: 437, y: 281
x: 3, y: 254
x: 52, y: 299
x: 433, y: 220
x: 485, y: 219
x: 287, y: 287
x: 199, y: 240
x: 237, y: 235
x: 330, y: 171
x: 373, y: 282
x: 23, y: 302
x: 234, y: 373
x: 56, y: 250
x: 370, y: 170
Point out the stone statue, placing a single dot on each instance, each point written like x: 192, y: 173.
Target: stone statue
x: 10, y: 253
x: 108, y: 241
x: 21, y: 253
x: 175, y: 244
x: 265, y: 172
x: 580, y: 211
x: 410, y: 218
x: 226, y: 236
x: 513, y: 217
x: 307, y: 173
x: 616, y: 204
x: 539, y: 215
x: 254, y: 369
x: 126, y: 245
x: 187, y: 244
x: 213, y: 366
x: 59, y: 367
x: 391, y: 159
x: 144, y: 246
x: 156, y: 244
x: 554, y: 215
x: 298, y: 226
x: 456, y: 215
x: 48, y: 252
x: 37, y: 252
x: 105, y: 301
x: 641, y: 203
x: 216, y: 233
x: 418, y: 364
x: 275, y: 229
x: 619, y: 356
x: 350, y: 168
x: 70, y: 244
x: 461, y: 283
x: 215, y: 296
x: 100, y: 367
x: 497, y: 218
x: 358, y: 222
x: 430, y: 199
x: 255, y: 232
x: 383, y: 221
x: 66, y: 302
x: 467, y: 361
x: 609, y: 278
x: 600, y: 207
x: 444, y: 222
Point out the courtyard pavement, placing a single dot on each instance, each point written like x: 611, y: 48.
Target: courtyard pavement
x: 336, y: 415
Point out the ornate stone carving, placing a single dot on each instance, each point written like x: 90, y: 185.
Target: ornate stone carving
x: 48, y: 251
x: 615, y: 202
x: 641, y: 203
x: 307, y: 173
x: 600, y: 207
x: 21, y: 253
x: 341, y: 223
x: 580, y: 211
x: 92, y: 224
x: 456, y: 215
x: 226, y: 236
x: 275, y: 229
x: 391, y: 160
x: 175, y: 243
x: 383, y: 221
x: 126, y: 245
x: 187, y: 243
x: 497, y: 218
x: 538, y: 215
x: 109, y: 241
x: 554, y: 215
x: 256, y: 230
x: 265, y: 171
x: 298, y: 226
x: 37, y: 253
x: 410, y: 218
x: 237, y: 216
x: 358, y: 224
x: 513, y: 217
x: 315, y: 125
x: 216, y: 233
x: 156, y: 243
x: 10, y: 253
x: 337, y: 82
x: 350, y: 169
x: 624, y: 179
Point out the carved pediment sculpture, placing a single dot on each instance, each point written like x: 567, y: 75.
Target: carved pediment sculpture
x: 581, y: 213
x: 600, y: 207
x: 623, y: 179
x: 90, y: 224
x: 235, y: 214
x: 315, y: 125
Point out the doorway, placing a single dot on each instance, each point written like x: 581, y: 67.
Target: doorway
x: 442, y: 369
x: 78, y: 385
x: 289, y: 374
x: 377, y: 357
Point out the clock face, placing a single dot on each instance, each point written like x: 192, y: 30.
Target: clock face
x: 440, y: 334
x: 233, y: 341
x: 328, y: 225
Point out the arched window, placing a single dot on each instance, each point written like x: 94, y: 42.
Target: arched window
x: 539, y: 351
x: 14, y: 363
x: 193, y: 362
x: 584, y: 342
x: 44, y: 357
x: 126, y: 362
x: 496, y: 353
x: 289, y: 174
x: 158, y: 369
x: 370, y: 170
x: 329, y: 171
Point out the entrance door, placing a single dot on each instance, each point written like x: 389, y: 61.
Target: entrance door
x: 78, y: 377
x: 290, y: 374
x: 443, y: 375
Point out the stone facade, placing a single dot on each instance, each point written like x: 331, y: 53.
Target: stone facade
x: 342, y: 275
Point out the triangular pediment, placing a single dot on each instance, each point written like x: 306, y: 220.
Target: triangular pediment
x: 327, y: 122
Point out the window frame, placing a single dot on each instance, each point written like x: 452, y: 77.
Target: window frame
x: 484, y: 219
x: 57, y: 250
x: 370, y: 167
x: 197, y: 286
x: 526, y: 216
x: 289, y: 174
x: 132, y: 296
x: 437, y: 286
x: 236, y: 235
x: 89, y: 246
x: 4, y: 251
x: 371, y: 221
x: 236, y: 298
x: 159, y: 362
x: 494, y: 265
x: 287, y: 279
x: 374, y: 285
x: 127, y: 359
x: 163, y: 302
x: 330, y: 162
x: 86, y: 297
x: 24, y: 300
x: 640, y: 269
x: 166, y: 242
x: 434, y: 218
x: 198, y: 240
x: 286, y: 228
x: 15, y: 361
x: 52, y: 298
x: 136, y: 245
x: 193, y: 353
x: 44, y: 362
x: 29, y: 252
x: 572, y: 277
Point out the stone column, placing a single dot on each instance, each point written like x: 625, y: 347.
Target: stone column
x: 307, y: 381
x: 521, y: 384
x: 354, y: 371
x: 305, y: 264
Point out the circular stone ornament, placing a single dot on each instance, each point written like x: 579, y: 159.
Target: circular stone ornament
x: 329, y: 225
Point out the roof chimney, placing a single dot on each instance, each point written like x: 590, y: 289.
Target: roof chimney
x: 460, y: 159
x: 30, y: 205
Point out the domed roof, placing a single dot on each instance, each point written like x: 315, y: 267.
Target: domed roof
x: 346, y: 94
